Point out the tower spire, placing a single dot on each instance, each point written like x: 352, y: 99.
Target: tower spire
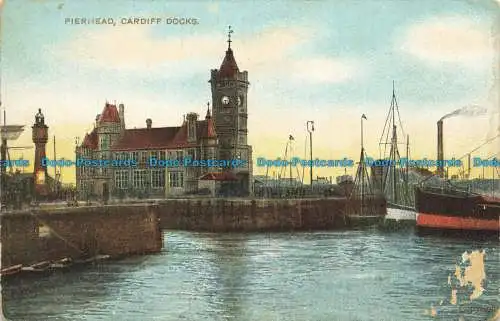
x: 230, y: 31
x: 208, y: 116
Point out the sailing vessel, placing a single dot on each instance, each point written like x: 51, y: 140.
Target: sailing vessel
x: 364, y: 205
x: 391, y: 177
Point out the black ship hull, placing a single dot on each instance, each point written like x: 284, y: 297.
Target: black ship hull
x: 456, y: 211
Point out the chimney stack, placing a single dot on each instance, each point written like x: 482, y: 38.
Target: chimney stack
x: 191, y: 118
x: 97, y: 120
x: 121, y: 113
x: 149, y: 122
x: 440, y: 149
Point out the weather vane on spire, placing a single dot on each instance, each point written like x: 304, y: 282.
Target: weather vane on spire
x: 230, y: 31
x: 208, y: 111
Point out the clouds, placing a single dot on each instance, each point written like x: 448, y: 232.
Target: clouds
x: 271, y: 52
x: 327, y: 70
x: 450, y: 40
x: 133, y: 48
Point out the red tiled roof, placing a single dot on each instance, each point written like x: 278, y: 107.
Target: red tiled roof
x: 180, y: 138
x: 90, y: 140
x: 224, y: 176
x: 163, y: 137
x: 146, y: 138
x: 206, y: 129
x: 228, y: 68
x: 109, y: 114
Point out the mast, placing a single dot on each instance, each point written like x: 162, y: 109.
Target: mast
x: 394, y: 146
x: 407, y: 156
x: 55, y: 159
x: 391, y: 185
x: 361, y: 159
x: 408, y: 195
x: 468, y: 167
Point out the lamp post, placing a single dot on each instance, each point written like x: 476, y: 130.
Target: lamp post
x: 310, y: 129
x: 362, y: 159
x: 289, y: 147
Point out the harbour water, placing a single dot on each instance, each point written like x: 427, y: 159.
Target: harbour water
x: 339, y: 275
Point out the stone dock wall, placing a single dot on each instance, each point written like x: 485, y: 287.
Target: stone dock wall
x: 47, y: 235
x: 36, y: 236
x: 224, y: 215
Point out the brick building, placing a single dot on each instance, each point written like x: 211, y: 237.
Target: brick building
x: 222, y: 134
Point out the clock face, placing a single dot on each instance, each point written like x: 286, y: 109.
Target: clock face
x: 225, y: 100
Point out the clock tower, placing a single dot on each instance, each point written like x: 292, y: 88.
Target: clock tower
x: 229, y: 100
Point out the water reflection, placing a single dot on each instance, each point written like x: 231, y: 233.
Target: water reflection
x: 229, y: 260
x: 82, y: 286
x: 343, y: 275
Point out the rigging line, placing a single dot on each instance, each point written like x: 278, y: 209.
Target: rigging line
x: 387, y: 172
x: 399, y: 117
x: 298, y: 173
x: 383, y: 131
x: 492, y: 155
x: 486, y: 142
x: 495, y: 168
x: 284, y: 158
x: 388, y: 129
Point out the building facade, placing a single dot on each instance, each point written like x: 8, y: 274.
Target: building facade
x: 221, y: 135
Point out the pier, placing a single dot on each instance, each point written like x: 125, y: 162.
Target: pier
x: 31, y: 237
x: 51, y: 235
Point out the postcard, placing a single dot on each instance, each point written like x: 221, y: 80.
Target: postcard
x: 250, y: 160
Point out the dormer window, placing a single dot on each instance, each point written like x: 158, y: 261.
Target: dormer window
x: 192, y: 131
x: 104, y: 142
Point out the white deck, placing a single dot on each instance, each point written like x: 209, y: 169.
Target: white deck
x: 398, y: 214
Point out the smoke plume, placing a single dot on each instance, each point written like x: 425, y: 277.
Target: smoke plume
x: 469, y: 111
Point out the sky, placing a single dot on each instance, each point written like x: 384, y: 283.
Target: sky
x: 326, y: 61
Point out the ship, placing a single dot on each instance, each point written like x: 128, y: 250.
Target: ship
x: 449, y: 209
x: 390, y: 177
x: 364, y: 206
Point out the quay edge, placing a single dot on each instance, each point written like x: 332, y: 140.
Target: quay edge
x: 31, y: 237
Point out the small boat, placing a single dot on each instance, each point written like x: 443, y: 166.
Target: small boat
x: 364, y: 206
x: 61, y: 264
x: 11, y: 270
x: 38, y: 267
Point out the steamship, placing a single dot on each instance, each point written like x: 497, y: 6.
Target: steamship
x: 450, y: 209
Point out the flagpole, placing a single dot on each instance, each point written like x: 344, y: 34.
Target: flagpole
x: 362, y: 117
x: 362, y: 147
x: 310, y: 130
x: 290, y: 138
